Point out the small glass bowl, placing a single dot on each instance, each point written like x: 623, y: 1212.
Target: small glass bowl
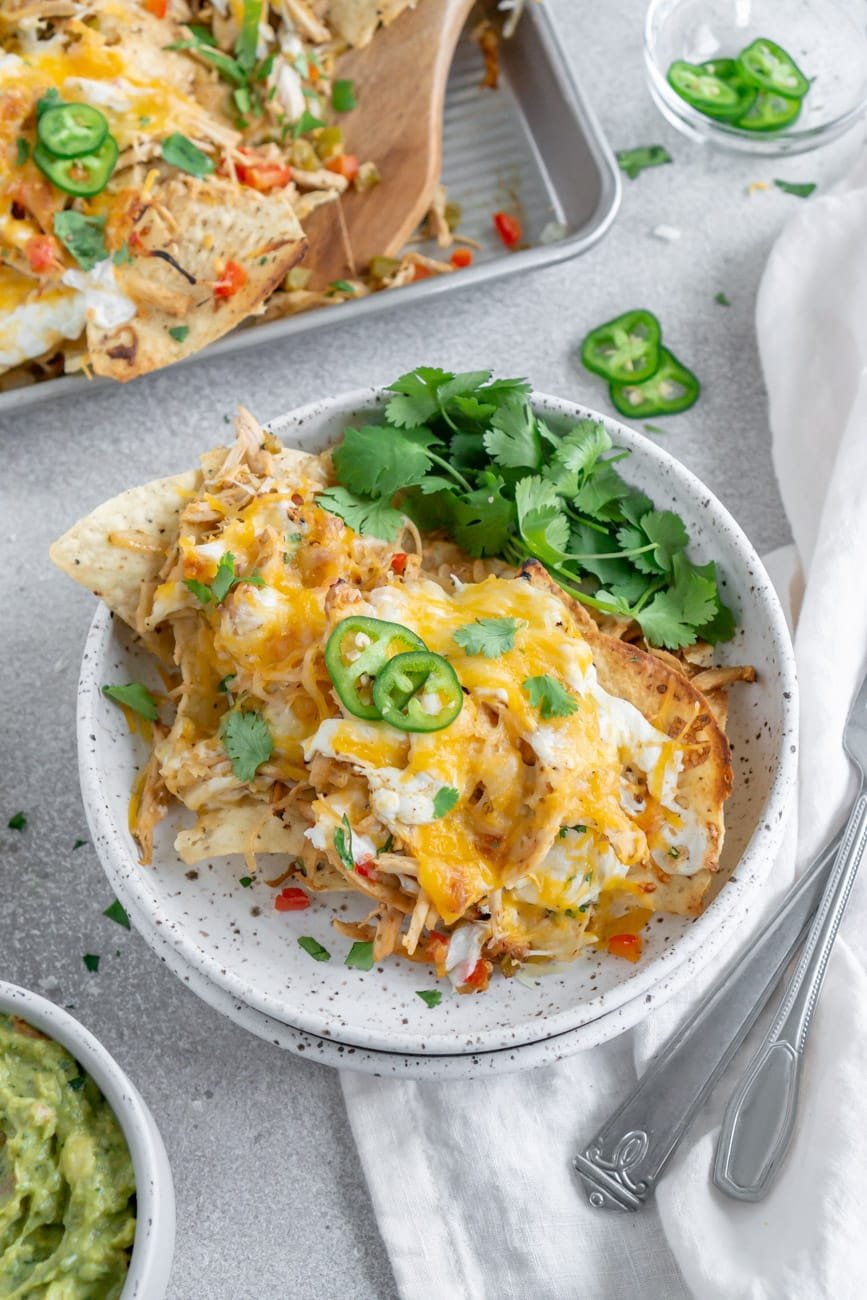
x: 826, y: 38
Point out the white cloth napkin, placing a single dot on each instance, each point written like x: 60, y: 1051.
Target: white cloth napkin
x: 471, y: 1181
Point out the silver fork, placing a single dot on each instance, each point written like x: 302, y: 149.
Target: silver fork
x: 759, y: 1120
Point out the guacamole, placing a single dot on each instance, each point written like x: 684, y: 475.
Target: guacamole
x: 66, y: 1179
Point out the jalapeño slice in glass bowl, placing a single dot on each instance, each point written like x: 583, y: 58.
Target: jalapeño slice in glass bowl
x: 770, y: 111
x: 704, y: 91
x: 625, y: 349
x: 357, y: 651
x: 418, y: 691
x: 671, y: 389
x: 70, y: 130
x: 773, y: 69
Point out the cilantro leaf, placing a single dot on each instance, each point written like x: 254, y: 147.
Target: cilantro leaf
x: 579, y: 450
x: 800, y: 189
x: 667, y: 530
x: 180, y: 152
x: 247, y: 742
x: 17, y: 822
x: 200, y: 590
x: 490, y: 637
x: 473, y: 409
x: 123, y: 257
x: 513, y: 440
x: 722, y: 299
x: 343, y: 98
x: 430, y: 997
x: 179, y: 332
x: 721, y: 627
x: 462, y: 386
x: 79, y: 844
x: 377, y: 462
x: 360, y: 956
x: 482, y: 520
x: 416, y: 399
x: 377, y: 518
x: 598, y: 497
x: 225, y: 577
x: 672, y: 616
x: 136, y: 697
x: 634, y: 161
x: 541, y: 521
x: 223, y: 684
x: 549, y: 697
x: 117, y: 912
x: 306, y: 122
x: 343, y: 844
x: 82, y: 237
x: 444, y: 800
x: 245, y: 882
x: 314, y: 948
x: 91, y: 961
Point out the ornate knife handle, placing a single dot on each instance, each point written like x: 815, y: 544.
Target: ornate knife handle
x: 623, y: 1163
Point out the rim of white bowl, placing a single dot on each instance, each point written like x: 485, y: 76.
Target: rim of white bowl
x: 154, y: 1242
x: 691, y: 951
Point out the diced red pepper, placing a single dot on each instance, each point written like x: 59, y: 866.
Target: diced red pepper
x: 234, y: 277
x: 291, y: 900
x: 365, y: 868
x: 421, y: 272
x: 42, y: 253
x: 478, y: 976
x: 508, y: 228
x: 345, y: 164
x: 398, y: 562
x: 460, y: 258
x: 262, y: 174
x: 625, y: 945
x: 156, y: 7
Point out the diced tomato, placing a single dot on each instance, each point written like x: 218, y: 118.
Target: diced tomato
x: 365, y: 868
x: 262, y: 174
x: 625, y: 945
x: 345, y: 164
x: 461, y: 257
x: 421, y: 273
x: 478, y: 976
x: 291, y: 900
x: 156, y: 7
x: 398, y: 562
x: 234, y: 277
x: 436, y: 940
x: 42, y: 253
x: 508, y: 228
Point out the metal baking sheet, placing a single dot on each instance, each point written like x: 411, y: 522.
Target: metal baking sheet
x: 533, y: 145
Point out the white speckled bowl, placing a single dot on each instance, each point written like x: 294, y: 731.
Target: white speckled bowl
x: 233, y: 937
x: 154, y: 1244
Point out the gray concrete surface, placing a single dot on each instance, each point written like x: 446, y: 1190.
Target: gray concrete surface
x: 272, y: 1201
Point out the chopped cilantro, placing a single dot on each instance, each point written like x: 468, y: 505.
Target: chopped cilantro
x: 578, y: 828
x: 245, y: 882
x: 634, y: 161
x: 430, y: 997
x: 117, y: 912
x: 247, y: 741
x: 549, y: 697
x: 123, y: 256
x: 306, y: 122
x: 490, y: 637
x: 51, y: 99
x: 180, y: 152
x: 22, y: 151
x: 722, y: 299
x: 387, y: 846
x: 17, y: 821
x: 314, y: 948
x: 82, y: 237
x: 800, y: 189
x: 674, y: 852
x: 360, y: 956
x: 78, y: 1082
x: 654, y: 428
x: 91, y: 961
x: 135, y: 696
x: 343, y: 96
x: 79, y: 844
x: 224, y: 580
x: 223, y: 683
x: 179, y: 332
x: 341, y: 286
x: 444, y: 800
x: 343, y: 844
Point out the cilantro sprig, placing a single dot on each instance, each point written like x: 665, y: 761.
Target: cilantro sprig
x: 467, y: 455
x: 224, y: 580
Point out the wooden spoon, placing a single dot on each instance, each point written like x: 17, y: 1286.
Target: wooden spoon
x: 400, y: 82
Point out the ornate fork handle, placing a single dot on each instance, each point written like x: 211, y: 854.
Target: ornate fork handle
x: 622, y: 1164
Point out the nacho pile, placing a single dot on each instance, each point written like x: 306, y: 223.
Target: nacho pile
x: 547, y: 790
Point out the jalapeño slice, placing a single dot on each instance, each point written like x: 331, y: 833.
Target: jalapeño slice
x: 357, y: 651
x: 624, y: 349
x: 705, y: 91
x: 729, y: 72
x: 773, y: 69
x: 70, y: 130
x: 673, y: 388
x: 84, y: 176
x: 418, y: 691
x: 769, y: 111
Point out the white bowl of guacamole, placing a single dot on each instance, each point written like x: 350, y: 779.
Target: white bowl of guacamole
x: 87, y: 1205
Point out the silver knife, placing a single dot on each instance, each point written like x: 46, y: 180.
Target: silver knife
x: 622, y: 1165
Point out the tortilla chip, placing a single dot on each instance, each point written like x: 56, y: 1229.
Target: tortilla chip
x: 122, y: 545
x: 246, y: 827
x: 669, y: 701
x: 184, y: 232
